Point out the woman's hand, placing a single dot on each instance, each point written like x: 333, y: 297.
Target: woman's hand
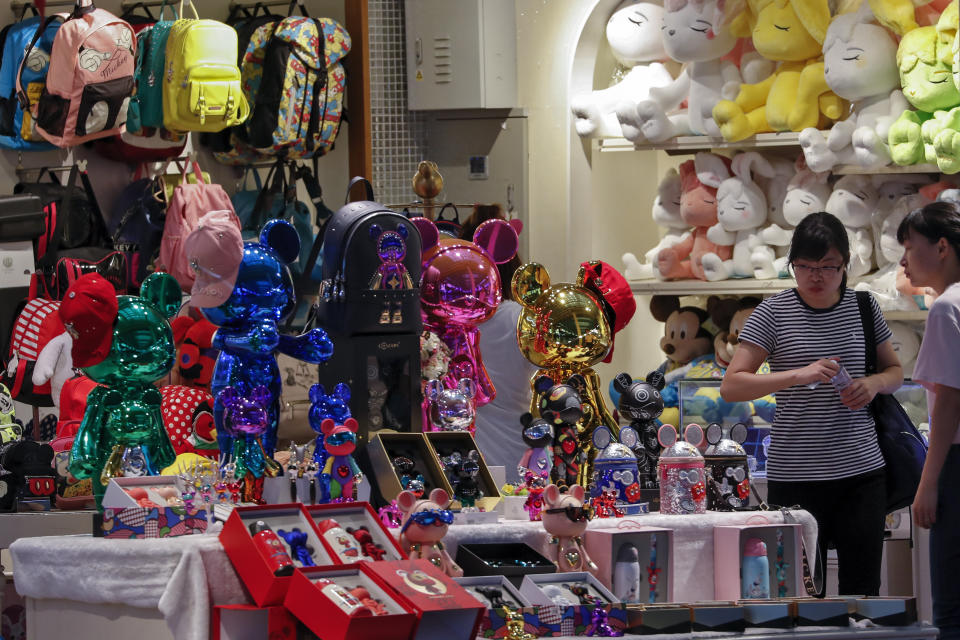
x: 820, y: 371
x: 859, y: 393
x: 924, y: 506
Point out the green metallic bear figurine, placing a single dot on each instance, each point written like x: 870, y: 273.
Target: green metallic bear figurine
x: 125, y: 344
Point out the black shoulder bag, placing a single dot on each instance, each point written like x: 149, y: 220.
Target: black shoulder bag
x: 903, y: 448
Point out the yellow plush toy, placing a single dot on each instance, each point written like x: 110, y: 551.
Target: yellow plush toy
x: 796, y: 95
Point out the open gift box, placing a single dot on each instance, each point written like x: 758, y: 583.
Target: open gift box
x: 495, y: 592
x: 635, y: 564
x: 444, y: 609
x: 445, y: 443
x: 783, y: 558
x: 351, y: 516
x: 126, y: 516
x: 385, y: 448
x: 511, y: 559
x: 263, y: 561
x: 564, y: 611
x: 325, y: 600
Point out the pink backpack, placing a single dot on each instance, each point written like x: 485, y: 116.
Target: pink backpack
x: 90, y: 78
x: 189, y: 203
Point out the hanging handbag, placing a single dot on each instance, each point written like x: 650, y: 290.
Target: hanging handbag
x: 450, y: 226
x: 903, y: 448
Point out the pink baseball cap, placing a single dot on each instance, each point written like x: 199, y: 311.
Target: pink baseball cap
x: 214, y: 250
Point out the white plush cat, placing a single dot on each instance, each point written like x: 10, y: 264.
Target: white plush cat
x: 633, y: 33
x: 860, y: 66
x: 741, y: 211
x: 853, y: 201
x: 666, y: 213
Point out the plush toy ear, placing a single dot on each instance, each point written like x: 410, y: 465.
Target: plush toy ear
x: 440, y: 497
x: 662, y: 306
x: 498, y: 239
x: 406, y: 500
x: 229, y: 396
x: 711, y: 169
x: 375, y: 231
x: 751, y: 163
x: 317, y: 393
x: 180, y: 326
x: 351, y: 424
x: 526, y: 419
x: 577, y: 492
x: 542, y: 384
x: 467, y: 387
x: 814, y: 15
x: 622, y: 382
x: 403, y: 231
x: 656, y: 380
x: 434, y: 387
x: 551, y: 495
x: 721, y: 311
x: 529, y: 282
x: 429, y: 235
x: 282, y: 237
x: 342, y: 391
x: 163, y: 290
x: 327, y: 426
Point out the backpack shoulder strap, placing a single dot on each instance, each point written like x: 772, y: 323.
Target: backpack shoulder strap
x: 869, y: 331
x: 41, y: 28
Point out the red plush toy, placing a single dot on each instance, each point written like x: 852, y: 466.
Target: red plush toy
x: 195, y: 353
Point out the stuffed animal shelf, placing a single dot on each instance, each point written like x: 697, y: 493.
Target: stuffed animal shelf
x: 565, y: 518
x: 666, y: 213
x: 633, y: 33
x: 796, y: 96
x: 700, y: 178
x: 860, y: 65
x: 425, y: 523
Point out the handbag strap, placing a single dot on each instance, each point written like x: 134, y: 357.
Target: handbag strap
x: 456, y: 213
x: 869, y: 331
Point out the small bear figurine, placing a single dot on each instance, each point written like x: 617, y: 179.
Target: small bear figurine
x: 335, y: 406
x: 391, y: 274
x: 565, y: 519
x: 462, y: 473
x: 425, y: 523
x: 642, y: 403
x: 538, y: 436
x: 451, y: 409
x: 560, y: 405
x: 340, y: 471
x: 245, y: 420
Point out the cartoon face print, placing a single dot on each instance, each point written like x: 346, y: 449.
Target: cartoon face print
x: 91, y: 59
x: 420, y: 581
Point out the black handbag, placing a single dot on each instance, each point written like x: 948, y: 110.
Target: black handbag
x: 21, y: 217
x: 903, y: 448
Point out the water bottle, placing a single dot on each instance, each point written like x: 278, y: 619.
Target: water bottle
x: 755, y: 570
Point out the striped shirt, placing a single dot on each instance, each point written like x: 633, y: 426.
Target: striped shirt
x: 814, y: 436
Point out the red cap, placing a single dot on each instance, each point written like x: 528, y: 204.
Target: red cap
x: 614, y: 293
x: 88, y: 311
x: 326, y: 525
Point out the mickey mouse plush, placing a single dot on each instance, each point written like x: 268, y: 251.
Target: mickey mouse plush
x: 26, y: 471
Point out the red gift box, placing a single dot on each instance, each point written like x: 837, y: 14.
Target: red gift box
x: 444, y: 609
x: 306, y: 600
x: 245, y: 622
x: 359, y: 514
x: 254, y: 570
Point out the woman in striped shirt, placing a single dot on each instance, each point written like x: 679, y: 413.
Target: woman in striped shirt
x: 823, y: 453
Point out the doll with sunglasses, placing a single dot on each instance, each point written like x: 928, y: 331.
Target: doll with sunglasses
x: 565, y: 518
x: 424, y: 525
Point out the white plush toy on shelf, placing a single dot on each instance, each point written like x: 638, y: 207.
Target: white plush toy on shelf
x: 768, y: 256
x: 633, y: 33
x: 807, y: 192
x: 741, y: 211
x: 906, y: 343
x: 853, y: 200
x: 860, y: 65
x: 666, y: 213
x: 55, y: 364
x: 891, y: 191
x: 693, y: 33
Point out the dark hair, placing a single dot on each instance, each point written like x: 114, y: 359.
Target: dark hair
x: 933, y: 221
x: 816, y: 235
x: 482, y: 213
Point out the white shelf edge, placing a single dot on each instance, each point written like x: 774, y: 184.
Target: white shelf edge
x: 701, y: 143
x: 853, y: 169
x: 700, y: 287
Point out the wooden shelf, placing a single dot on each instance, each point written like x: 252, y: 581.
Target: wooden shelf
x: 743, y: 286
x: 693, y: 144
x: 892, y: 169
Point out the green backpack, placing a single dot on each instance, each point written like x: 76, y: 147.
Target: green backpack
x: 147, y: 109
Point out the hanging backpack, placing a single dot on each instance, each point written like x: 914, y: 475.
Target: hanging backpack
x: 136, y: 227
x: 90, y: 77
x: 17, y: 130
x: 358, y: 286
x: 201, y: 86
x: 147, y: 107
x: 299, y: 102
x: 37, y: 323
x: 190, y: 202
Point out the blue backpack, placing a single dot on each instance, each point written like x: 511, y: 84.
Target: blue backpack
x: 17, y: 130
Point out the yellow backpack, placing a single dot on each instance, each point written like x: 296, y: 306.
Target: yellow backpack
x: 201, y: 85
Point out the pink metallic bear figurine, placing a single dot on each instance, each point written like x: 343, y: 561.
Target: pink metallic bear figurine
x: 460, y: 289
x: 425, y: 523
x: 565, y: 518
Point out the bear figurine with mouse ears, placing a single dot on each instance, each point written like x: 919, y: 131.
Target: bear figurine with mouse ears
x: 425, y: 523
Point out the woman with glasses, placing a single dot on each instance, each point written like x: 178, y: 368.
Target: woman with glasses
x: 823, y: 453
x: 931, y: 258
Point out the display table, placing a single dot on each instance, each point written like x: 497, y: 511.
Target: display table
x: 93, y: 585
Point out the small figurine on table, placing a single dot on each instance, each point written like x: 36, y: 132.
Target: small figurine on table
x: 538, y: 436
x: 641, y: 402
x: 462, y: 473
x: 340, y: 471
x: 425, y: 523
x: 565, y: 519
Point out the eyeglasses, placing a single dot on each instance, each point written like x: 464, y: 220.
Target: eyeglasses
x: 574, y: 514
x: 338, y: 439
x: 428, y: 517
x: 825, y: 270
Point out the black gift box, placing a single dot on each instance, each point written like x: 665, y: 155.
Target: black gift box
x: 475, y: 560
x: 718, y: 617
x: 648, y: 619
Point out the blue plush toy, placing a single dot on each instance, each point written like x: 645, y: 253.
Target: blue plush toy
x: 248, y: 336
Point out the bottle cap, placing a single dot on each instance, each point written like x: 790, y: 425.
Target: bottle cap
x: 328, y: 524
x: 755, y: 547
x: 258, y: 526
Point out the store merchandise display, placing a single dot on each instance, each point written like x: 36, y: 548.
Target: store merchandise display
x: 565, y: 519
x: 424, y: 525
x: 466, y: 470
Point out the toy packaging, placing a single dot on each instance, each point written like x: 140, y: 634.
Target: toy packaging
x: 635, y: 564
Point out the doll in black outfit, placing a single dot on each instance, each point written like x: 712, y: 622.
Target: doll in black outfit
x: 641, y: 402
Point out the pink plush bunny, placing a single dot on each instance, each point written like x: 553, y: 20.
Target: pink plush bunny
x: 425, y: 523
x: 565, y: 518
